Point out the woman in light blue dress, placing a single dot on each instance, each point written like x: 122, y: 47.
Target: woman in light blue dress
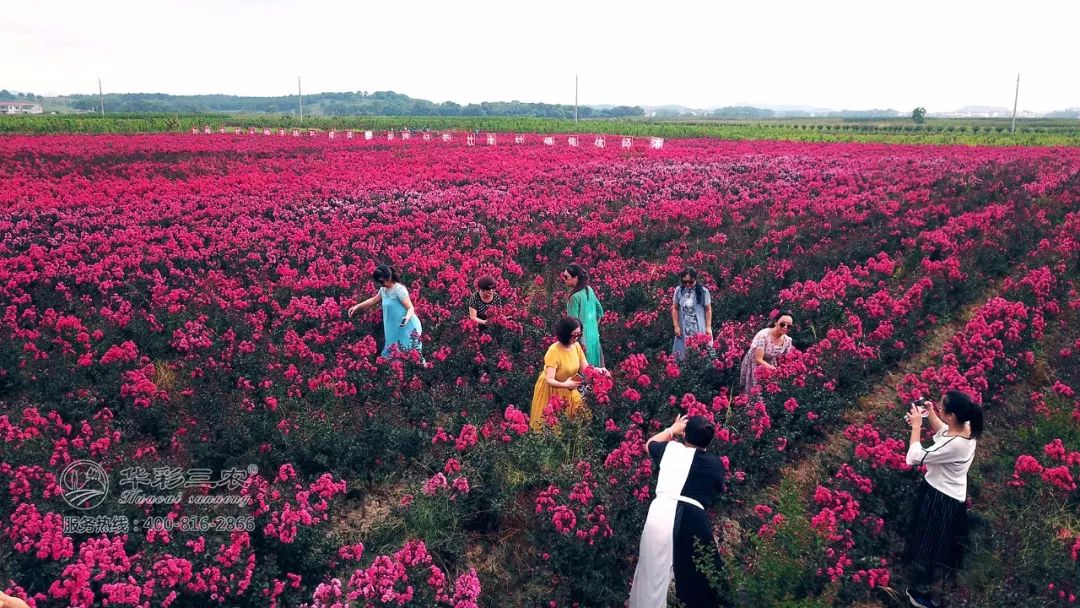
x: 401, y: 326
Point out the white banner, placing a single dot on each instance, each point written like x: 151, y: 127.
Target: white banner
x: 348, y: 135
x: 549, y: 141
x: 266, y: 130
x: 331, y: 134
x: 369, y: 135
x: 599, y: 142
x: 657, y: 143
x: 389, y: 136
x: 405, y: 135
x: 519, y: 139
x: 470, y: 140
x: 296, y: 132
x: 491, y: 139
x: 571, y: 141
x: 446, y: 137
x: 628, y: 142
x: 426, y: 136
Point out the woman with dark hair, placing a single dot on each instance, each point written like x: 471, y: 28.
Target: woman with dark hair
x: 691, y: 311
x: 766, y: 349
x: 939, y: 525
x: 401, y: 326
x: 482, y: 298
x: 584, y: 305
x: 690, y: 478
x: 564, y: 369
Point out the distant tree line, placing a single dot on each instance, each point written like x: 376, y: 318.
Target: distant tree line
x: 359, y: 103
x: 6, y: 95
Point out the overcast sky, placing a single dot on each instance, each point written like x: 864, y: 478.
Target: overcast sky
x: 940, y: 54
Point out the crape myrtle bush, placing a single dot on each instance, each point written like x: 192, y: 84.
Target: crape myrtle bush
x: 180, y: 301
x: 1024, y: 541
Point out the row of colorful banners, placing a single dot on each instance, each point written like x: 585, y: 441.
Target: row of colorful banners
x: 471, y: 139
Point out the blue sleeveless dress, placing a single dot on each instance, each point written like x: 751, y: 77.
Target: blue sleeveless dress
x: 406, y: 338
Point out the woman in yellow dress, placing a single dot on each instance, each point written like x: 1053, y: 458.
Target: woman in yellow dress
x: 564, y: 362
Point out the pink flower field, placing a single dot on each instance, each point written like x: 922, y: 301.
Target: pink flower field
x: 174, y: 313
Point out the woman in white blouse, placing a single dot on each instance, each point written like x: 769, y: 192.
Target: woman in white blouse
x: 939, y: 524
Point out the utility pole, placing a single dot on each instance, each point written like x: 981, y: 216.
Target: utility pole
x: 300, y: 93
x: 101, y: 96
x: 1015, y: 99
x: 575, y: 97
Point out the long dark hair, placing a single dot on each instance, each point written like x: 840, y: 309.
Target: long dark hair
x: 699, y: 291
x: 383, y: 272
x: 960, y: 404
x: 580, y: 274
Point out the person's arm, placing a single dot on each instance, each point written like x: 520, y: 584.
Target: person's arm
x: 669, y: 433
x: 938, y: 453
x: 708, y: 320
x: 759, y: 358
x: 583, y: 362
x: 675, y: 313
x: 573, y: 305
x: 549, y: 377
x: 6, y: 601
x: 472, y: 315
x: 410, y: 312
x: 368, y: 303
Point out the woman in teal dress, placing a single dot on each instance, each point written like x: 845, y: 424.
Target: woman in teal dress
x: 584, y: 305
x: 401, y: 326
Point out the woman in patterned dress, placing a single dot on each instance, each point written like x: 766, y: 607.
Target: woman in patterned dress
x: 482, y: 298
x: 765, y: 351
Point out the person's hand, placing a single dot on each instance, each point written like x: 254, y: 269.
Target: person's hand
x: 679, y: 426
x: 915, y: 417
x: 678, y: 331
x: 353, y: 309
x: 571, y: 383
x: 603, y: 371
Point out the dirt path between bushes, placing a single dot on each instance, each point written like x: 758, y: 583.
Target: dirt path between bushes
x: 808, y: 470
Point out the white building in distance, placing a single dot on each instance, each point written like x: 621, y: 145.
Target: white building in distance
x: 19, y: 107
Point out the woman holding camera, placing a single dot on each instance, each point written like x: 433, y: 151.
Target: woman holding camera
x: 939, y: 523
x: 564, y: 368
x: 690, y: 478
x: 401, y: 326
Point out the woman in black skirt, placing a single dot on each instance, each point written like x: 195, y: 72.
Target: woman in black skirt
x: 689, y: 480
x: 939, y: 523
